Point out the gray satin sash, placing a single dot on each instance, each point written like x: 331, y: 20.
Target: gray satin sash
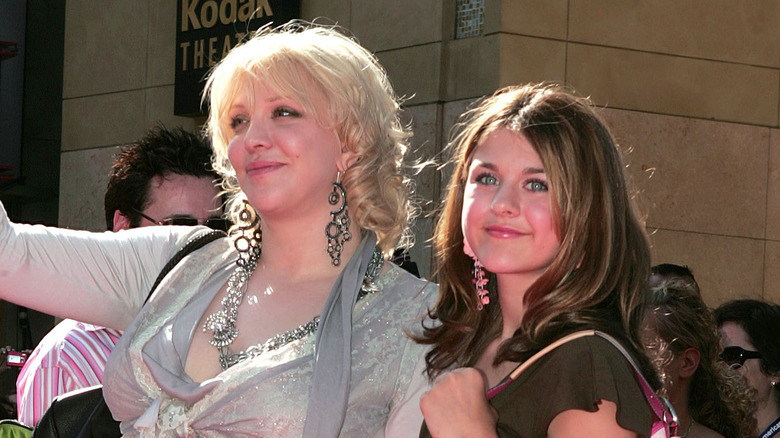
x: 333, y: 348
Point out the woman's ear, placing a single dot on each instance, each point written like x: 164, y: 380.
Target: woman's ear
x: 690, y: 362
x: 347, y: 159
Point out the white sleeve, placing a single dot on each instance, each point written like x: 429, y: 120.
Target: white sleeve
x: 98, y: 278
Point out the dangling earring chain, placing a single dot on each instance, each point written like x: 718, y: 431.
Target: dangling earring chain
x: 338, y: 228
x: 479, y: 276
x: 480, y: 282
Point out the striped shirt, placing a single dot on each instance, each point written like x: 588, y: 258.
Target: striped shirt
x: 71, y: 356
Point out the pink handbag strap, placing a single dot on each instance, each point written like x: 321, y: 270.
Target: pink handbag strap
x: 664, y: 418
x: 665, y: 422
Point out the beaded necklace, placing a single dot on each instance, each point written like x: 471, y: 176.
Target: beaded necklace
x: 222, y: 323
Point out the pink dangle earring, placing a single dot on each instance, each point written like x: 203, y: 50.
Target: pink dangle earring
x: 479, y: 277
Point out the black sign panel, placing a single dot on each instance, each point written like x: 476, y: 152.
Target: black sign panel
x: 206, y: 30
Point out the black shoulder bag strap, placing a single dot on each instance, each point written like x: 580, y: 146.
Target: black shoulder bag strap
x: 83, y: 413
x: 194, y: 244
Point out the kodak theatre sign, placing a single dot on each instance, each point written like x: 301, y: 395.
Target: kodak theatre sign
x: 207, y: 29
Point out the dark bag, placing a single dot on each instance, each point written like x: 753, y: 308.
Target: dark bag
x: 83, y: 413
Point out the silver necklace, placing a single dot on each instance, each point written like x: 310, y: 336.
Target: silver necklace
x: 688, y: 429
x: 222, y: 323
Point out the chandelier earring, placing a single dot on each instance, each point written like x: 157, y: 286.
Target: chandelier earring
x: 248, y: 236
x: 337, y: 229
x: 480, y: 280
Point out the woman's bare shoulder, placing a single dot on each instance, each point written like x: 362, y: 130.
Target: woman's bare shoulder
x: 702, y: 431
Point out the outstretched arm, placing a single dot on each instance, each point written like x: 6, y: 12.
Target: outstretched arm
x: 99, y: 278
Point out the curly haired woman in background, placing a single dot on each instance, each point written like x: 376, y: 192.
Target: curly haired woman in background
x: 681, y: 336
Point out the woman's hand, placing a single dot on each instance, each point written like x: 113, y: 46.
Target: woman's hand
x: 457, y: 406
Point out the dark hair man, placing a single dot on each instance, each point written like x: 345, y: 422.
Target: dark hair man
x: 164, y: 179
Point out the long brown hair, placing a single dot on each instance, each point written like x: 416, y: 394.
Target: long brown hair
x: 597, y: 278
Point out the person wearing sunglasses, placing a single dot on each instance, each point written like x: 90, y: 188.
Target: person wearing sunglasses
x: 166, y: 174
x: 165, y: 179
x: 681, y: 338
x: 749, y: 331
x: 214, y: 222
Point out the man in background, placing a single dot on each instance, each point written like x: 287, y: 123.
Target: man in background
x: 164, y: 179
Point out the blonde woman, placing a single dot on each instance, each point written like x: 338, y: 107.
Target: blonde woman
x: 294, y: 325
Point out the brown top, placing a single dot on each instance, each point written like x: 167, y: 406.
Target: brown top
x: 576, y: 375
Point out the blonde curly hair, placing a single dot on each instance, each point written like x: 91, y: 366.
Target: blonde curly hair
x: 312, y: 63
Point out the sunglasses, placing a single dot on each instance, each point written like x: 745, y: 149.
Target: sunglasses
x: 215, y: 223
x: 735, y: 357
